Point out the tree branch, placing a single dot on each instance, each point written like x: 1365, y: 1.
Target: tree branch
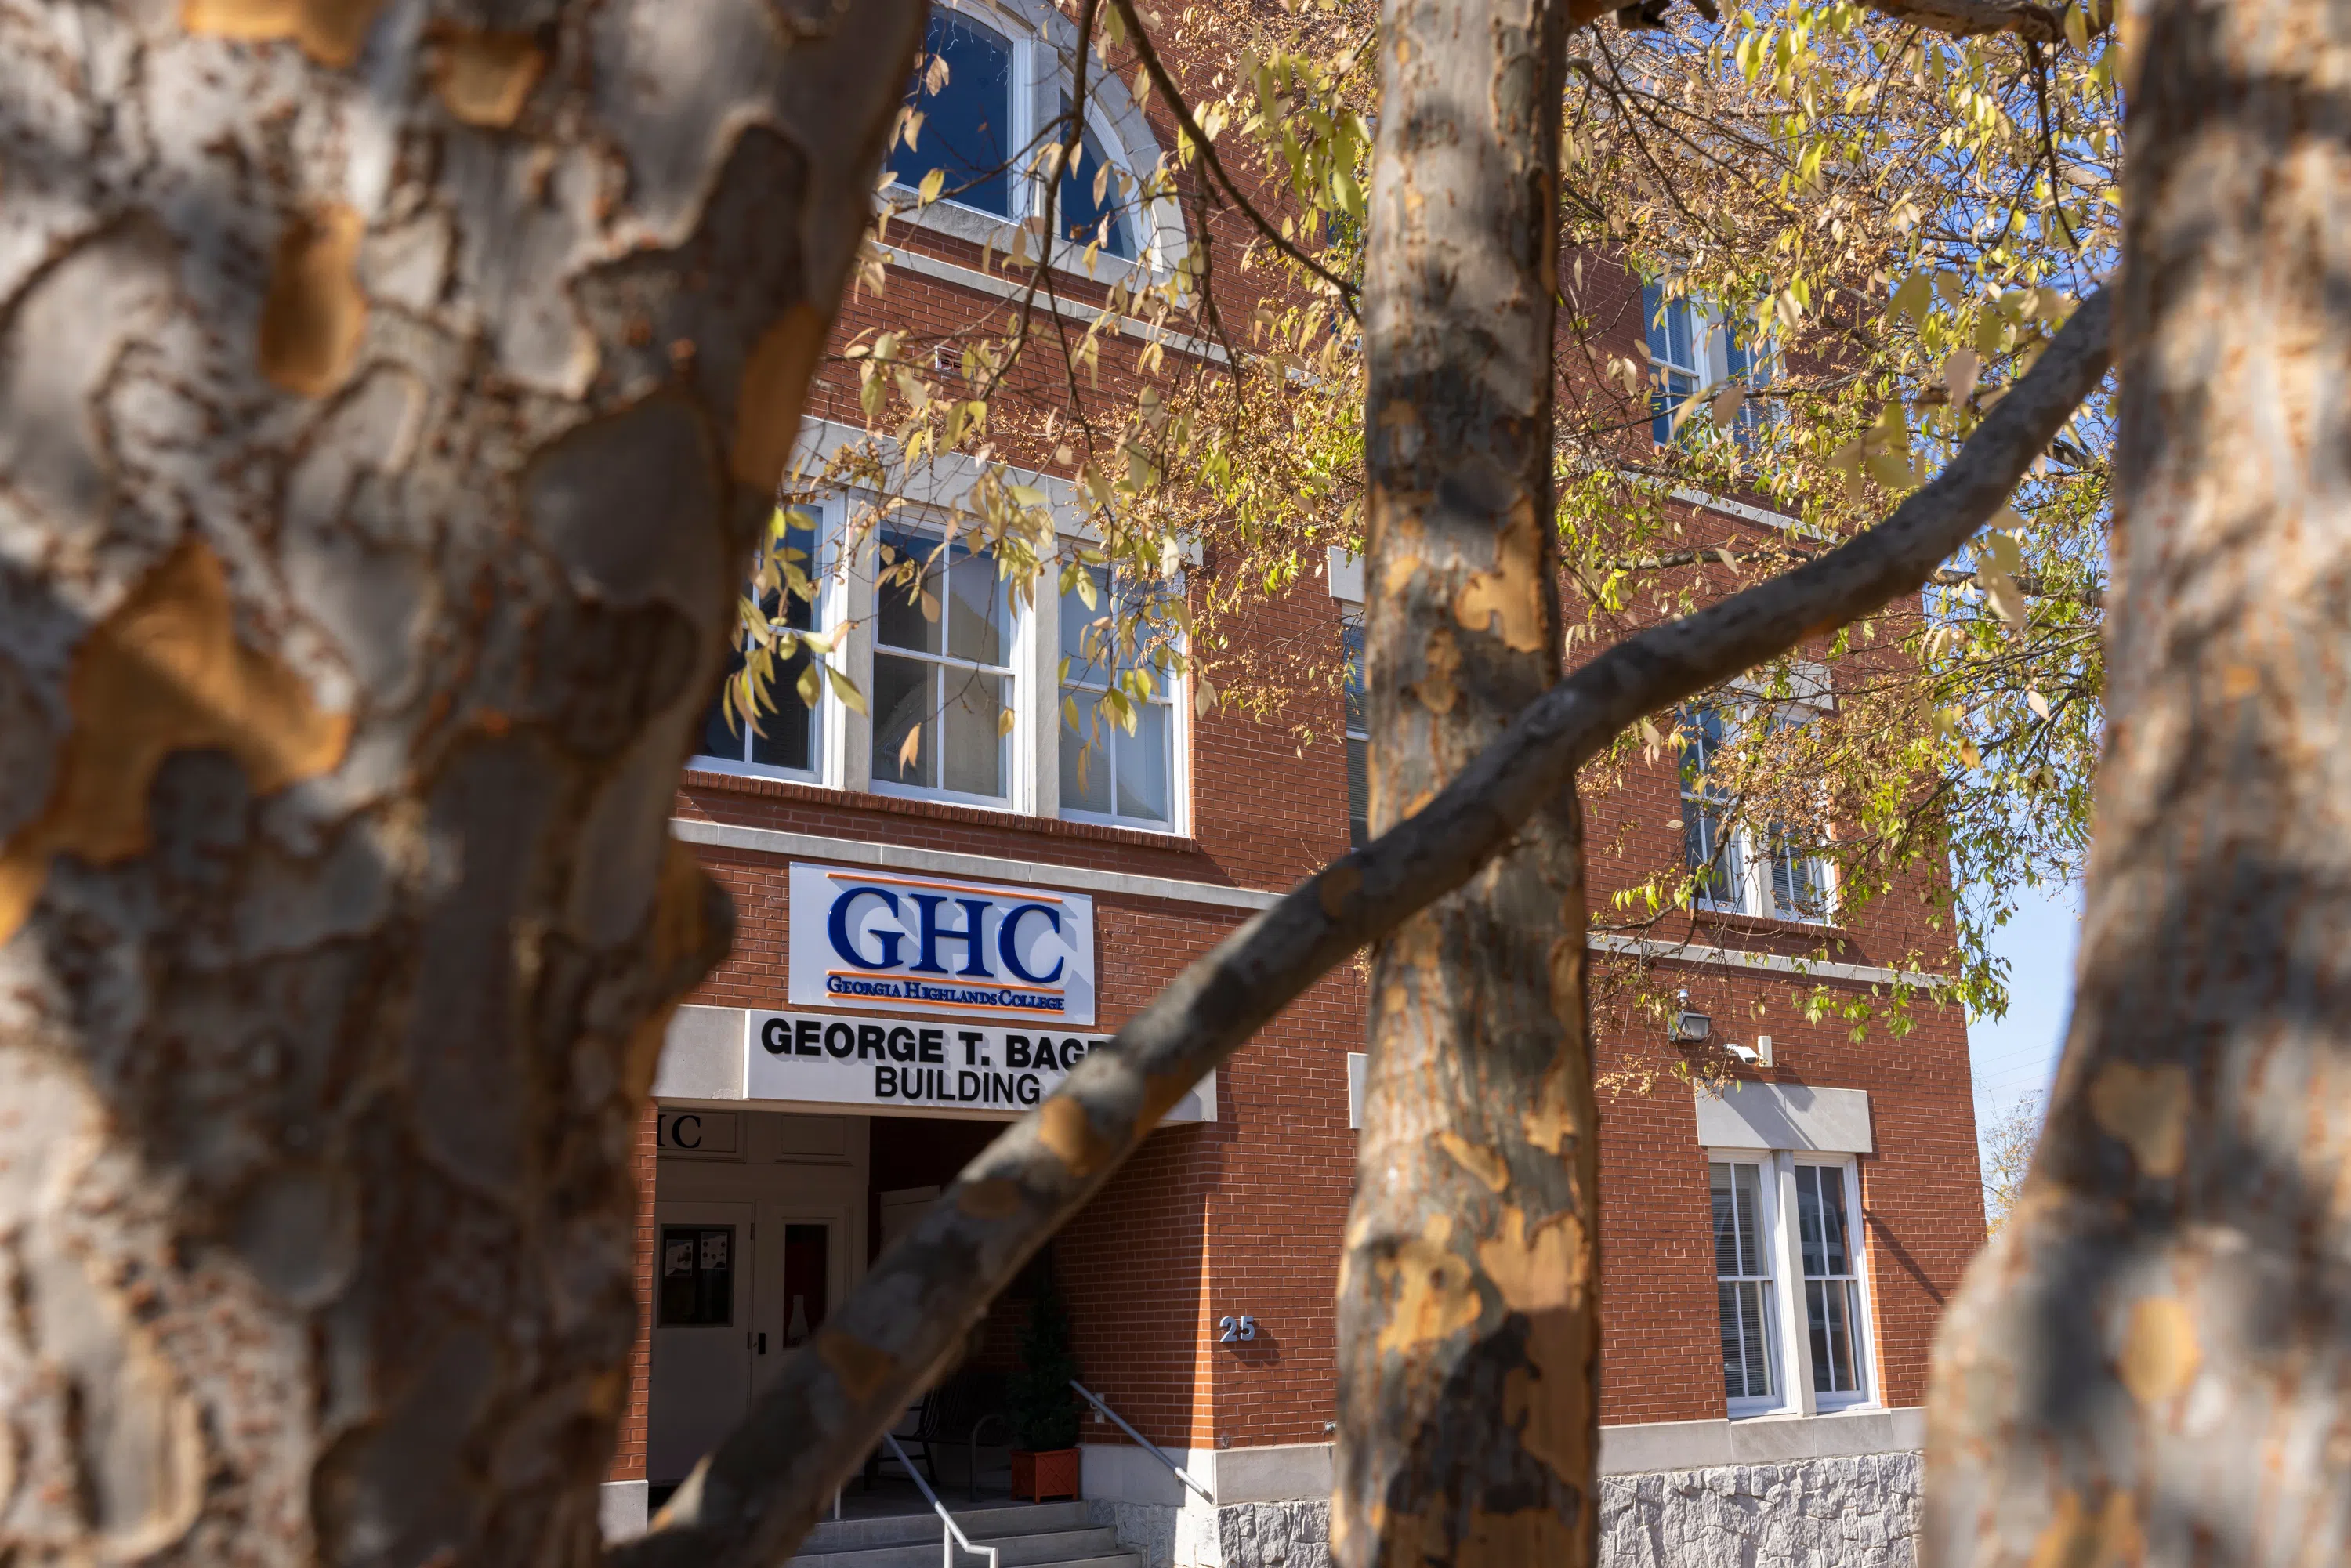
x: 1201, y: 142
x: 1973, y: 18
x: 750, y: 1501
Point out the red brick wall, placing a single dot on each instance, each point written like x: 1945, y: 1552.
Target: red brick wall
x: 629, y: 1447
x: 1245, y: 1214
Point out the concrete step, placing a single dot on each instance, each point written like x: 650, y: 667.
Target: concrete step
x: 978, y: 1519
x: 1027, y: 1535
x: 1028, y: 1550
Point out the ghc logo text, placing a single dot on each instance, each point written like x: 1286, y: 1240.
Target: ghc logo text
x: 932, y: 933
x: 880, y: 939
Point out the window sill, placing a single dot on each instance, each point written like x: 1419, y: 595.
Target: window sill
x: 765, y: 789
x: 1771, y: 926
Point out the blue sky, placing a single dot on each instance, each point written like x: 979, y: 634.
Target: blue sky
x: 2017, y: 1055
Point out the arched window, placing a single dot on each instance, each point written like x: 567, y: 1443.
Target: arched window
x: 1092, y: 198
x: 993, y: 91
x: 962, y: 87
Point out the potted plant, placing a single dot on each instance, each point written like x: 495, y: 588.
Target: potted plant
x: 1044, y: 1409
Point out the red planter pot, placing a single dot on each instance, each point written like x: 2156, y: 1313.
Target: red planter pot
x: 1040, y: 1475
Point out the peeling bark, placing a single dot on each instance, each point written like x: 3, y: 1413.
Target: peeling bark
x: 376, y: 460
x: 1468, y: 1338
x: 2152, y: 1361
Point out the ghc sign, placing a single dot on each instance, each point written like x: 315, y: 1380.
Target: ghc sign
x: 910, y: 942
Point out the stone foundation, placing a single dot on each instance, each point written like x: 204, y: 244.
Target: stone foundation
x: 1856, y: 1512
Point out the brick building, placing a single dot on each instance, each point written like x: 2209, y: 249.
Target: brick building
x: 939, y: 908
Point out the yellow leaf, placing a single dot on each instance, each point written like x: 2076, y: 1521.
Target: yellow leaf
x: 1004, y: 722
x: 909, y: 749
x: 2037, y: 702
x: 1726, y: 405
x: 933, y: 183
x: 846, y: 690
x: 1959, y: 373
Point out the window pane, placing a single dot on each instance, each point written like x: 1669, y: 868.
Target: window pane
x: 1080, y: 213
x: 1746, y: 1340
x: 976, y: 609
x: 1359, y: 792
x: 899, y: 621
x: 1142, y: 758
x: 905, y: 703
x: 785, y: 737
x: 788, y: 733
x: 1726, y: 1224
x: 1829, y: 1305
x: 1358, y: 694
x: 1085, y: 755
x: 1087, y: 630
x: 1827, y: 1249
x: 1744, y: 1181
x: 698, y: 1285
x: 974, y: 744
x: 967, y: 122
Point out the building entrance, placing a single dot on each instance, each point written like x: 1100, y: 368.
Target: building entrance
x: 760, y: 1225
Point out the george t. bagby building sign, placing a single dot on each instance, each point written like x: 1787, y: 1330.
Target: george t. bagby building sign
x: 879, y: 940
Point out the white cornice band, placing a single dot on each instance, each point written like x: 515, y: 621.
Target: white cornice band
x: 1087, y: 878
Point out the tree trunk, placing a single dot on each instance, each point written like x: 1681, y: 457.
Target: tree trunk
x: 388, y: 400
x: 1468, y: 1330
x: 2152, y: 1363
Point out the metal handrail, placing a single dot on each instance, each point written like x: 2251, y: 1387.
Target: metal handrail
x: 955, y: 1536
x: 1155, y: 1451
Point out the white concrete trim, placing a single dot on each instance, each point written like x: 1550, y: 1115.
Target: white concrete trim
x: 1777, y: 963
x: 981, y: 282
x: 1281, y: 1472
x: 1040, y: 873
x: 705, y: 1062
x: 1784, y: 1116
x: 1760, y: 1441
x: 622, y: 1508
x: 1085, y: 879
x: 1715, y: 503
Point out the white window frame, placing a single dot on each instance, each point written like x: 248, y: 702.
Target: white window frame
x: 1179, y: 740
x: 827, y: 740
x: 1775, y: 1350
x: 1792, y: 1366
x: 1747, y: 856
x: 1019, y: 745
x: 1863, y: 1332
x: 1040, y: 71
x: 1709, y: 367
x: 1353, y: 735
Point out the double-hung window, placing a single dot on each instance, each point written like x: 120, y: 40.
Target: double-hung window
x: 1776, y: 871
x: 1832, y: 1279
x: 1709, y: 842
x: 1789, y: 1293
x: 1693, y: 346
x: 1112, y: 672
x: 943, y: 671
x: 787, y: 740
x: 1742, y: 1284
x: 1359, y: 739
x: 1677, y: 354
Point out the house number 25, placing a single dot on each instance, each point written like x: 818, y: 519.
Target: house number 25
x: 1236, y: 1328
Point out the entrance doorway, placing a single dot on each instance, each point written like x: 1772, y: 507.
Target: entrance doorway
x: 760, y: 1230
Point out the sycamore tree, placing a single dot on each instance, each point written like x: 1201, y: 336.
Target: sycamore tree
x: 389, y: 395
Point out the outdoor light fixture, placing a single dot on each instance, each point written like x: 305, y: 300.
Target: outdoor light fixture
x: 1689, y: 1027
